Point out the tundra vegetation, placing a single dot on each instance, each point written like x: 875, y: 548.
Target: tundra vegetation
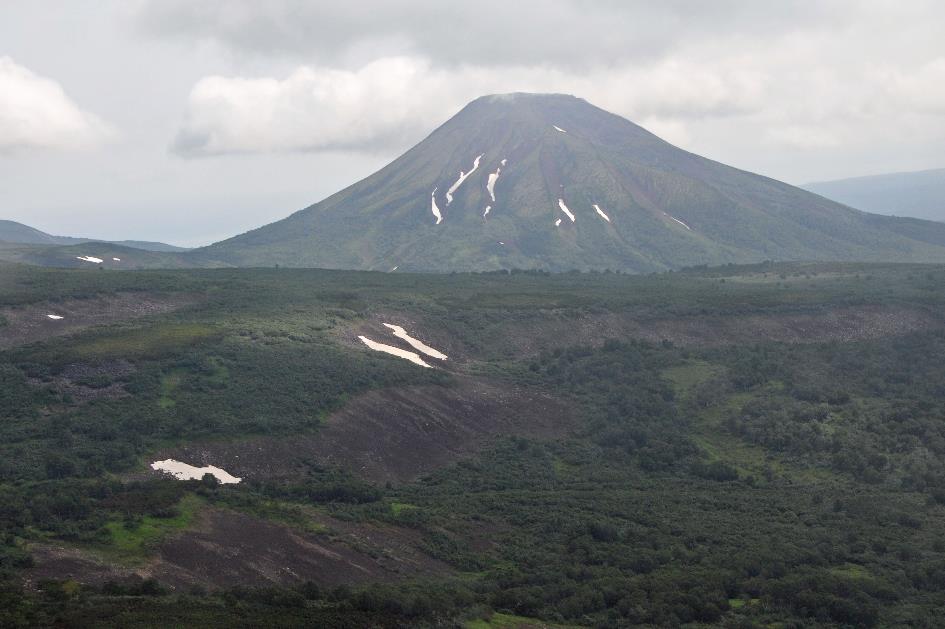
x: 785, y: 468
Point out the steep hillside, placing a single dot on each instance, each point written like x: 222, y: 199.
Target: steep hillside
x: 918, y: 194
x: 550, y: 181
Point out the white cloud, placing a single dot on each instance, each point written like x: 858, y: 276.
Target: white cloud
x: 378, y: 105
x: 819, y: 78
x: 394, y: 101
x: 35, y: 112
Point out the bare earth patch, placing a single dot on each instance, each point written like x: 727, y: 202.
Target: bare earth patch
x: 393, y: 434
x: 63, y: 563
x: 31, y: 323
x: 428, y: 333
x: 227, y: 549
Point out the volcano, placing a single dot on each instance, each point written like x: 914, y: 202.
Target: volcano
x: 549, y: 181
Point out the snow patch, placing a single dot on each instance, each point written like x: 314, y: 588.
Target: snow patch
x: 678, y: 221
x: 395, y: 351
x: 394, y: 269
x: 558, y: 223
x: 89, y: 259
x: 601, y: 212
x: 486, y: 213
x: 558, y: 128
x: 54, y: 317
x: 182, y: 471
x: 501, y: 243
x: 117, y: 259
x: 462, y: 178
x: 434, y: 208
x: 490, y: 184
x: 504, y: 162
x: 417, y: 344
x: 564, y: 208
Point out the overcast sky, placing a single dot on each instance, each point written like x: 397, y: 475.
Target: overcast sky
x: 191, y: 120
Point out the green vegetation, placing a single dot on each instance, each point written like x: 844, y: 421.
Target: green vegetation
x: 508, y: 621
x: 155, y: 341
x: 169, y: 384
x: 764, y: 451
x: 396, y: 508
x: 135, y: 537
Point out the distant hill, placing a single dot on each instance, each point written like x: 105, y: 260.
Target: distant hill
x: 18, y: 233
x: 919, y: 194
x: 553, y: 182
x: 97, y: 254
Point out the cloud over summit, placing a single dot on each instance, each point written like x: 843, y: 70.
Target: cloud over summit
x: 800, y: 75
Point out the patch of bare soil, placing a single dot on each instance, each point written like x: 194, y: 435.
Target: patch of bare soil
x: 393, y: 434
x: 63, y: 563
x: 230, y: 548
x: 838, y: 324
x: 83, y: 382
x: 31, y: 323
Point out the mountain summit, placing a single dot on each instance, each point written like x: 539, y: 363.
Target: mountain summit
x: 553, y: 182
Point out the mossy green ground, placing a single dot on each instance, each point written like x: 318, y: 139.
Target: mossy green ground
x: 134, y: 540
x: 509, y: 621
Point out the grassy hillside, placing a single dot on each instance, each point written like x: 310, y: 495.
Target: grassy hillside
x: 726, y: 446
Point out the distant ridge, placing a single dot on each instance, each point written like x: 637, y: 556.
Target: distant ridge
x: 918, y: 194
x: 18, y: 233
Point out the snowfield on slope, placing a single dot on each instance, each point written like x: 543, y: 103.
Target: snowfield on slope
x: 89, y: 259
x: 395, y: 351
x: 601, y: 212
x: 678, y: 221
x: 462, y: 178
x: 490, y: 185
x: 434, y: 208
x: 183, y: 471
x: 559, y: 128
x: 417, y: 344
x: 564, y: 208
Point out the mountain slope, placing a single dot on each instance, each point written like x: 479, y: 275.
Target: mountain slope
x: 559, y: 157
x: 18, y: 233
x: 918, y: 194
